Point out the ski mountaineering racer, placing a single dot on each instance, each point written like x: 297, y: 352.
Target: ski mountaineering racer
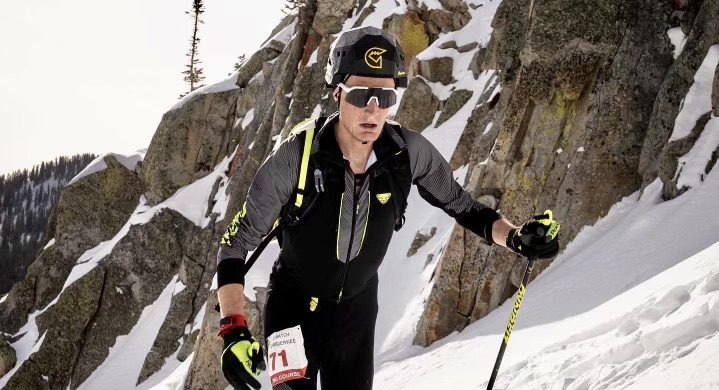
x: 334, y: 192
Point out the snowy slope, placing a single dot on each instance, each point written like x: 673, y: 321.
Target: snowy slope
x: 631, y: 303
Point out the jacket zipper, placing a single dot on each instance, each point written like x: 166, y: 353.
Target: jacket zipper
x: 355, y: 207
x: 352, y: 233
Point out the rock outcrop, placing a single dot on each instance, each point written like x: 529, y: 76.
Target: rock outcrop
x: 189, y: 142
x: 7, y: 357
x: 88, y: 212
x: 577, y: 105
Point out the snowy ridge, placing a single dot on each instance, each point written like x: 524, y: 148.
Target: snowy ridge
x: 129, y: 160
x: 225, y: 85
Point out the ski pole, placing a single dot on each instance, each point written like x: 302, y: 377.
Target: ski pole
x: 512, y: 320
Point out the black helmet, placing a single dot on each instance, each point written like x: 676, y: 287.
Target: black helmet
x: 365, y: 51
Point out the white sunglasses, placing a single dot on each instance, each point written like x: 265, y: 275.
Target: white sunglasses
x: 362, y: 96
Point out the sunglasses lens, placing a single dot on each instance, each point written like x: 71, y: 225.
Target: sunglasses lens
x: 360, y: 97
x: 386, y: 98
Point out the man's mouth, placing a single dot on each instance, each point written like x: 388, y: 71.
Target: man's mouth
x: 368, y: 126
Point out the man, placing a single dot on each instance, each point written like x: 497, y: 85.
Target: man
x: 359, y: 169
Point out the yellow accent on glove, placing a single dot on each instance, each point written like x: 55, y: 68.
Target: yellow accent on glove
x: 244, y: 351
x: 551, y: 223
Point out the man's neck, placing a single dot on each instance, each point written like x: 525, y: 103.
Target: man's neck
x: 353, y: 150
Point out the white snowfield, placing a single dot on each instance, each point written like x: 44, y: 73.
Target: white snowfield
x: 632, y: 303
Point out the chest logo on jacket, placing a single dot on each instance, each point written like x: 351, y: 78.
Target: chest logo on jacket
x: 383, y: 198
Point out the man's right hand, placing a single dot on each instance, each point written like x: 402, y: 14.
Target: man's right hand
x: 242, y: 357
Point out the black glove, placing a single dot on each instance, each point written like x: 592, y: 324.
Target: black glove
x: 537, y: 237
x: 242, y: 358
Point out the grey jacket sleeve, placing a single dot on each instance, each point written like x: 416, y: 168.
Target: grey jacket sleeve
x: 433, y: 177
x: 271, y: 188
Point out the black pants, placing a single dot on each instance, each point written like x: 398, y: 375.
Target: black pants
x: 339, y: 338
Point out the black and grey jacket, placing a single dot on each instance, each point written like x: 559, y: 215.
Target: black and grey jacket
x: 338, y: 246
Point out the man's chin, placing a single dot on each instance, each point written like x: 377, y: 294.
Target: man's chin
x: 368, y: 136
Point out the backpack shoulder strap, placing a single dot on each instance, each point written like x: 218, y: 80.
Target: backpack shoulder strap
x: 308, y: 127
x: 291, y: 211
x: 399, y: 169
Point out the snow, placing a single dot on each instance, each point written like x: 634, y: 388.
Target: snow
x: 179, y: 287
x: 559, y: 151
x: 316, y: 111
x: 129, y: 160
x: 248, y: 118
x: 224, y: 85
x: 404, y: 281
x: 278, y: 142
x: 176, y: 379
x: 479, y: 29
x: 313, y: 59
x: 190, y: 201
x: 678, y: 39
x: 446, y: 136
x: 497, y: 89
x: 698, y: 99
x: 383, y: 8
x: 4, y: 297
x: 581, y: 149
x: 283, y: 35
x: 29, y: 343
x: 259, y: 274
x: 692, y: 165
x: 123, y: 365
x: 199, y: 318
x: 488, y: 128
x: 49, y: 244
x: 607, y: 314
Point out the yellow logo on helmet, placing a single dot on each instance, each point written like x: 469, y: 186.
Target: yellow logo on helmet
x: 373, y: 57
x: 383, y: 198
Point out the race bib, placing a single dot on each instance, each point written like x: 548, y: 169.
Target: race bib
x: 286, y: 355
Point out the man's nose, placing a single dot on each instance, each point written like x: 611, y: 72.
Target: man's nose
x: 372, y: 104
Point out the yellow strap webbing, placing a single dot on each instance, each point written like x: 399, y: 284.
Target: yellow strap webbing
x: 303, y: 166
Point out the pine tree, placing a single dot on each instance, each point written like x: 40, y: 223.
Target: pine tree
x: 194, y: 73
x: 240, y: 61
x: 25, y: 204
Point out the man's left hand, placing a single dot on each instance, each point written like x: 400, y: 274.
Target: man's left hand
x: 538, y: 237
